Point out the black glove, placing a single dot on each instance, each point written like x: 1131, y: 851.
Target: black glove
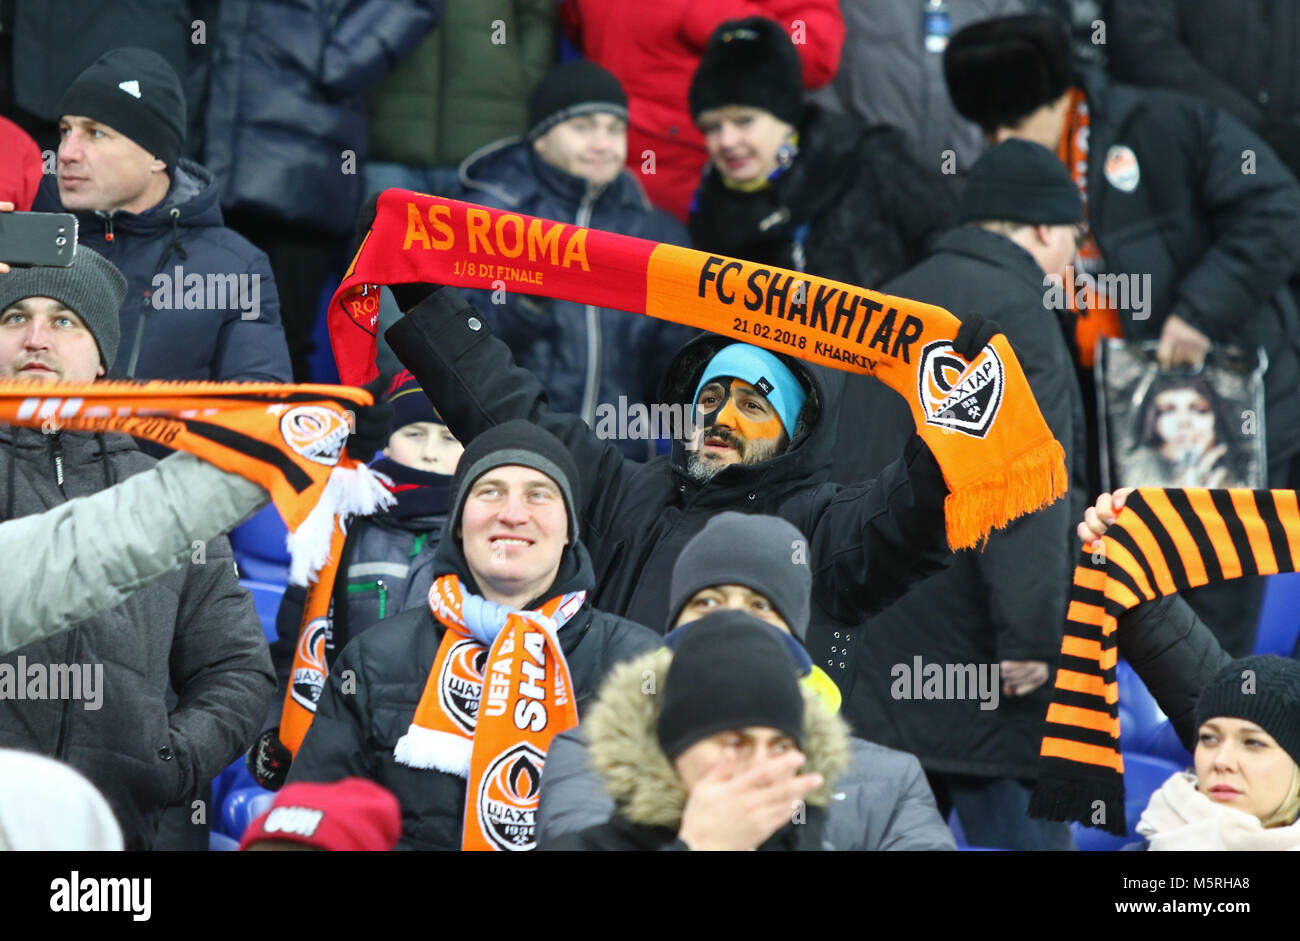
x: 374, y: 424
x: 973, y: 335
x: 269, y: 760
x: 406, y: 295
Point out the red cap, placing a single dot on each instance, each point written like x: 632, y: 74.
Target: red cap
x: 352, y: 814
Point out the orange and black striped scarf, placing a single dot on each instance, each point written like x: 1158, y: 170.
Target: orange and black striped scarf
x: 1164, y: 541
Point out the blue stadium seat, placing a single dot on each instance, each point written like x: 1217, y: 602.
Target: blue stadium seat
x: 1140, y: 716
x: 244, y: 806
x: 266, y: 599
x: 260, y: 549
x: 232, y: 778
x: 1164, y: 743
x: 321, y: 360
x: 220, y: 843
x: 1279, y: 617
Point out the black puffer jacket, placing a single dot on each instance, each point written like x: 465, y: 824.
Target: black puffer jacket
x: 287, y: 112
x: 866, y: 542
x: 173, y: 336
x: 1216, y: 239
x: 354, y: 732
x: 193, y: 630
x: 585, y: 356
x: 854, y: 206
x: 990, y: 605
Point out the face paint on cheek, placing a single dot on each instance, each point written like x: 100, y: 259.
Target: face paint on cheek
x: 766, y: 430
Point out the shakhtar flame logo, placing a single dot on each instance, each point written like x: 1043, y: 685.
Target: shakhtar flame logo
x: 956, y: 395
x: 309, y: 681
x: 507, y: 797
x: 315, y: 432
x: 460, y: 687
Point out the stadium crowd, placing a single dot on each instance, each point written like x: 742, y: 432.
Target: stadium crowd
x: 557, y: 633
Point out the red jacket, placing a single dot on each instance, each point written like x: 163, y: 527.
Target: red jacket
x: 20, y: 166
x: 654, y: 48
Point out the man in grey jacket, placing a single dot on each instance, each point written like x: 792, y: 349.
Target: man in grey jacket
x: 759, y: 565
x: 151, y: 698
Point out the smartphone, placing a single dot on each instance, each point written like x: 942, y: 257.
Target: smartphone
x: 38, y: 238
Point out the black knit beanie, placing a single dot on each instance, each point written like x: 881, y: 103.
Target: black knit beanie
x: 750, y: 62
x: 1020, y: 181
x: 1001, y: 70
x: 135, y: 92
x: 1264, y: 690
x: 571, y: 89
x: 92, y: 288
x: 762, y: 553
x: 730, y: 671
x: 516, y: 442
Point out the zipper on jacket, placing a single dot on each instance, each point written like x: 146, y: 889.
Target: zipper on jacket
x: 591, y: 387
x: 379, y: 586
x: 65, y: 711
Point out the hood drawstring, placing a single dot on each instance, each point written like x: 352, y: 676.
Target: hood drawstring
x: 175, y: 214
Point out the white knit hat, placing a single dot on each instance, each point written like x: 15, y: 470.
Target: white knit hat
x: 47, y: 805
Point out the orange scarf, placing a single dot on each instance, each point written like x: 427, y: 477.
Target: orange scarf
x: 1163, y: 541
x: 979, y: 418
x: 488, y: 713
x: 287, y: 438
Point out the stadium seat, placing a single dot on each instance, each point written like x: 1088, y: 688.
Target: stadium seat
x: 234, y: 777
x: 260, y: 549
x: 244, y: 806
x: 1279, y: 617
x: 220, y: 843
x: 1143, y: 775
x: 266, y: 599
x: 1140, y: 716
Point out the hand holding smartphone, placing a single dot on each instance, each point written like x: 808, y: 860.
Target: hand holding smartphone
x: 36, y: 238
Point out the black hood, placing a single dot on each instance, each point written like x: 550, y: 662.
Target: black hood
x: 805, y: 462
x: 575, y: 572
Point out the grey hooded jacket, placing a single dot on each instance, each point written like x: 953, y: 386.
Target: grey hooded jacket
x: 878, y: 800
x: 191, y: 637
x: 90, y: 554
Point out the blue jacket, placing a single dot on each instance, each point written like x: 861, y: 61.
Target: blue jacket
x: 180, y: 333
x: 286, y: 131
x: 585, y: 356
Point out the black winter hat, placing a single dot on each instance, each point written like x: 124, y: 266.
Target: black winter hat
x: 136, y: 92
x: 571, y: 89
x: 729, y: 671
x: 91, y: 287
x: 1001, y: 70
x: 750, y: 62
x: 1268, y: 695
x: 763, y: 553
x: 1020, y: 181
x: 516, y: 442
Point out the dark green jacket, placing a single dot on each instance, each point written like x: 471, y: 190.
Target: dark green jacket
x: 465, y: 85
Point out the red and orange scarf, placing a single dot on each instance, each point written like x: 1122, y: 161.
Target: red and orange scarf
x: 978, y: 417
x: 490, y: 708
x: 1164, y: 541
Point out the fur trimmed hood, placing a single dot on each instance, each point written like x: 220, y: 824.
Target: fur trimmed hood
x: 625, y: 751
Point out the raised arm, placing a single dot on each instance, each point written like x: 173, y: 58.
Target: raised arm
x: 470, y: 376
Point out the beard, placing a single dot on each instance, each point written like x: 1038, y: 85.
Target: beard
x: 703, y: 469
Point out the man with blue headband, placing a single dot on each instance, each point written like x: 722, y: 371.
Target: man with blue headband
x: 758, y: 436
x: 747, y: 406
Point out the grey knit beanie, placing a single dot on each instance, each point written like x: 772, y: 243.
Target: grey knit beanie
x: 763, y: 553
x: 91, y: 287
